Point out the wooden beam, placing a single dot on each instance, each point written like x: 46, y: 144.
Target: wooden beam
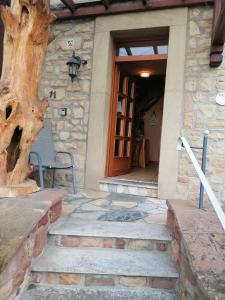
x: 141, y: 57
x: 218, y: 34
x: 106, y: 3
x: 69, y: 4
x: 155, y: 49
x: 124, y: 7
x: 128, y: 51
x: 5, y: 2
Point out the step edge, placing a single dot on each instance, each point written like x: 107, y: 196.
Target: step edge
x: 152, y: 238
x: 137, y: 185
x: 59, y: 286
x: 166, y: 275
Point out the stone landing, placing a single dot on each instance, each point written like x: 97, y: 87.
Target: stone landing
x: 129, y: 187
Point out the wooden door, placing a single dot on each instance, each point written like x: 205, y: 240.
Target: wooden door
x: 120, y: 135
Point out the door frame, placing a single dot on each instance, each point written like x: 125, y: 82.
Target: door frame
x: 116, y: 61
x: 105, y: 28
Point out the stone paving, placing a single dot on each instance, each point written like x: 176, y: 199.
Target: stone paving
x: 102, y: 206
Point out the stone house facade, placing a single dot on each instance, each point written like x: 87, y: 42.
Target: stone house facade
x: 189, y: 79
x: 199, y: 109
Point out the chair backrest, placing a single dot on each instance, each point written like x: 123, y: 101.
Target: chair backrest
x: 44, y: 145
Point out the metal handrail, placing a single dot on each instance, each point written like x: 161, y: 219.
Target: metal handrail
x: 182, y: 142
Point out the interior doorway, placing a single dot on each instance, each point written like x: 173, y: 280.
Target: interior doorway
x: 136, y: 113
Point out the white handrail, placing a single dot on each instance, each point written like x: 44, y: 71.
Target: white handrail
x: 215, y: 203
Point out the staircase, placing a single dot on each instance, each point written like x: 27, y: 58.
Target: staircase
x: 104, y: 260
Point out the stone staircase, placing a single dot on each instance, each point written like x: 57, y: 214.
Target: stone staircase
x: 104, y: 260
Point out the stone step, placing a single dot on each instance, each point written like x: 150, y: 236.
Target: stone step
x: 114, y: 262
x: 68, y: 232
x: 130, y: 187
x: 40, y: 292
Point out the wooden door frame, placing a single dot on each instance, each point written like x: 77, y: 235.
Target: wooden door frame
x: 117, y: 60
x: 1, y: 45
x: 106, y: 29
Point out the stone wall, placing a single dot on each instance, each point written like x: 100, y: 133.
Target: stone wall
x: 24, y: 239
x: 69, y: 132
x: 201, y: 112
x: 197, y: 250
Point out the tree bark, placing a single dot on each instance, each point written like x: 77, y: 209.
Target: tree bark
x: 21, y: 111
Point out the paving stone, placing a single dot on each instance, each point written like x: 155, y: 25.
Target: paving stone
x: 67, y: 293
x: 123, y: 215
x: 87, y: 216
x: 124, y: 197
x: 132, y: 281
x: 100, y: 202
x: 90, y: 207
x: 124, y: 204
x: 141, y: 245
x: 156, y: 218
x: 68, y: 209
x: 95, y: 194
x: 69, y: 279
x: 99, y: 280
x: 120, y: 243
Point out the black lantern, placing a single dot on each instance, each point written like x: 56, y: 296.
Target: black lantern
x: 74, y: 65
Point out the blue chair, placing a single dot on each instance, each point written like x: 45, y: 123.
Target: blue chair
x: 44, y: 156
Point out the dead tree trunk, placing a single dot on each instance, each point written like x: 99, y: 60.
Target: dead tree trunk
x: 21, y: 111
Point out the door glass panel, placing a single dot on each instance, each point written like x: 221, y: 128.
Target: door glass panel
x: 123, y: 84
x: 117, y: 150
x: 118, y: 126
x: 120, y: 105
x: 131, y: 107
x: 128, y: 129
x: 126, y: 150
x: 129, y: 88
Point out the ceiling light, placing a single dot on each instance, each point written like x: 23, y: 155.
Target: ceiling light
x: 145, y: 74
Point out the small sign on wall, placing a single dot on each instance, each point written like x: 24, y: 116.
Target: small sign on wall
x: 66, y: 43
x: 70, y: 43
x: 153, y: 119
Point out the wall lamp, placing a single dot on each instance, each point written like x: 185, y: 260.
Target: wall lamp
x: 74, y: 65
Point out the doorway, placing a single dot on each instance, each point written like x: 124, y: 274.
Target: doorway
x: 136, y: 113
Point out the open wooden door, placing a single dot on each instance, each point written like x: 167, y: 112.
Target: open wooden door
x: 121, y: 120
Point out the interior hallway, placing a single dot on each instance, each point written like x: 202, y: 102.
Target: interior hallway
x: 148, y: 174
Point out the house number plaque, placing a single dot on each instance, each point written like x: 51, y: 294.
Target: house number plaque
x: 220, y: 98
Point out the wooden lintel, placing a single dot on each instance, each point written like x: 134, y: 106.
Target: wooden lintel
x: 124, y: 7
x: 106, y: 3
x: 141, y: 57
x: 5, y: 2
x: 69, y: 4
x: 218, y: 34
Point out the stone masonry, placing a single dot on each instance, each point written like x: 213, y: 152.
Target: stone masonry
x: 201, y: 111
x: 70, y: 132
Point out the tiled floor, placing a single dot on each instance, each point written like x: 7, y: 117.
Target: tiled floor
x: 149, y: 174
x: 95, y: 205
